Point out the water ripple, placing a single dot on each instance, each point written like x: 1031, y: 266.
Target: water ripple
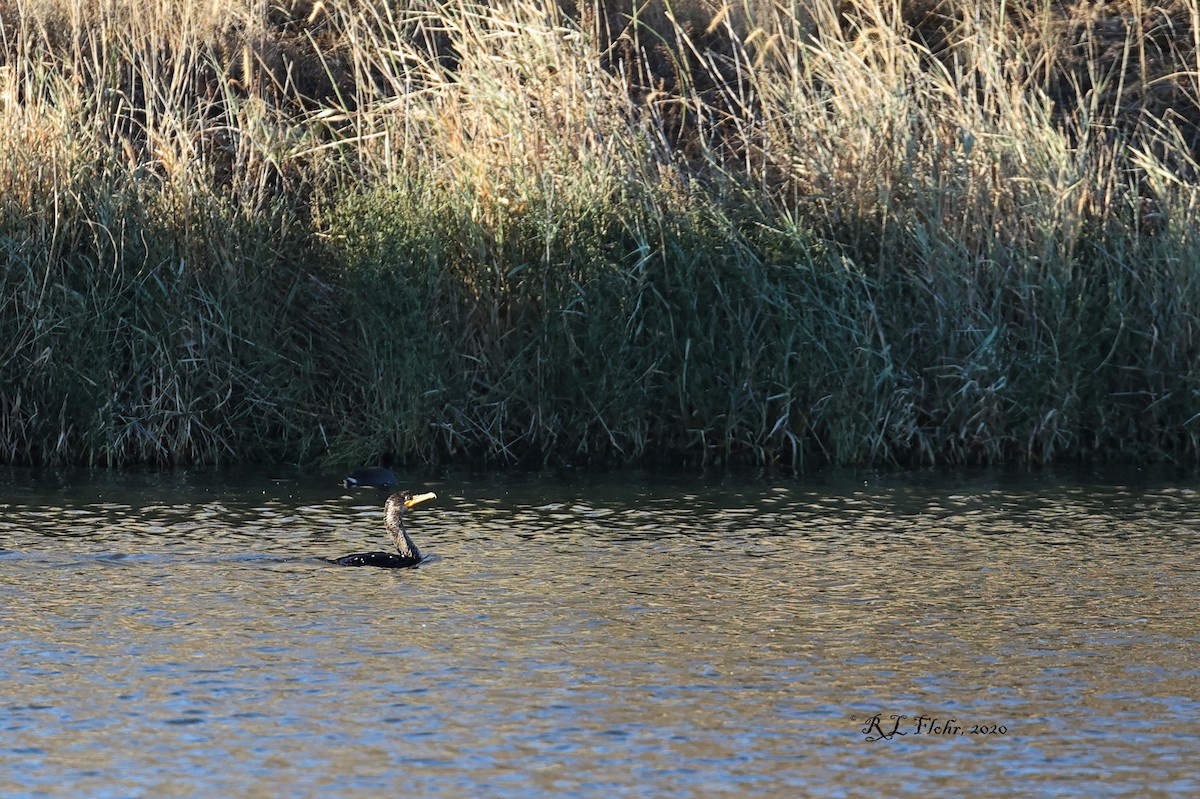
x: 601, y: 636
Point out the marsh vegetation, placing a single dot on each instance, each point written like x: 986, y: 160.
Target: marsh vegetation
x: 813, y: 232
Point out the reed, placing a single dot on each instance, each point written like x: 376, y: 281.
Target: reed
x: 854, y: 233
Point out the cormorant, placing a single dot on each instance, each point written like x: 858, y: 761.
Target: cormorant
x: 408, y: 555
x: 370, y: 477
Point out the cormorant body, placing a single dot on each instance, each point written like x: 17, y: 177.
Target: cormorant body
x: 382, y: 560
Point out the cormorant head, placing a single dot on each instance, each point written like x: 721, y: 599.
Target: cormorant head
x: 407, y: 499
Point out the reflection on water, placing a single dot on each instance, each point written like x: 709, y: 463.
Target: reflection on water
x: 617, y: 636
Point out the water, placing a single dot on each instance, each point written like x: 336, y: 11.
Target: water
x: 178, y: 635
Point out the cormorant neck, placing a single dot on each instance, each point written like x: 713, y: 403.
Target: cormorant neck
x: 395, y: 526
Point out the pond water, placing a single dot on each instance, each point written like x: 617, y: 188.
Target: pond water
x: 600, y: 636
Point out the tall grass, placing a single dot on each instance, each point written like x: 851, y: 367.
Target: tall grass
x: 864, y: 232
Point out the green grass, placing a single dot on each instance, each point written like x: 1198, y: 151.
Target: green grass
x: 854, y: 233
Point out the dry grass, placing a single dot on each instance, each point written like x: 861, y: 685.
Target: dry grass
x: 858, y: 232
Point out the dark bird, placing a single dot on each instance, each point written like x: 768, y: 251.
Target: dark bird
x: 393, y: 511
x: 370, y: 477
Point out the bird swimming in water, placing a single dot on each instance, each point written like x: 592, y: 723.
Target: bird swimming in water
x: 370, y: 477
x: 393, y: 511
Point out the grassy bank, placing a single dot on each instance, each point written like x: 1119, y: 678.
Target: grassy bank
x: 849, y: 232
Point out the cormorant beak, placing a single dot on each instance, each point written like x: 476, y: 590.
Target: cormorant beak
x: 418, y: 499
